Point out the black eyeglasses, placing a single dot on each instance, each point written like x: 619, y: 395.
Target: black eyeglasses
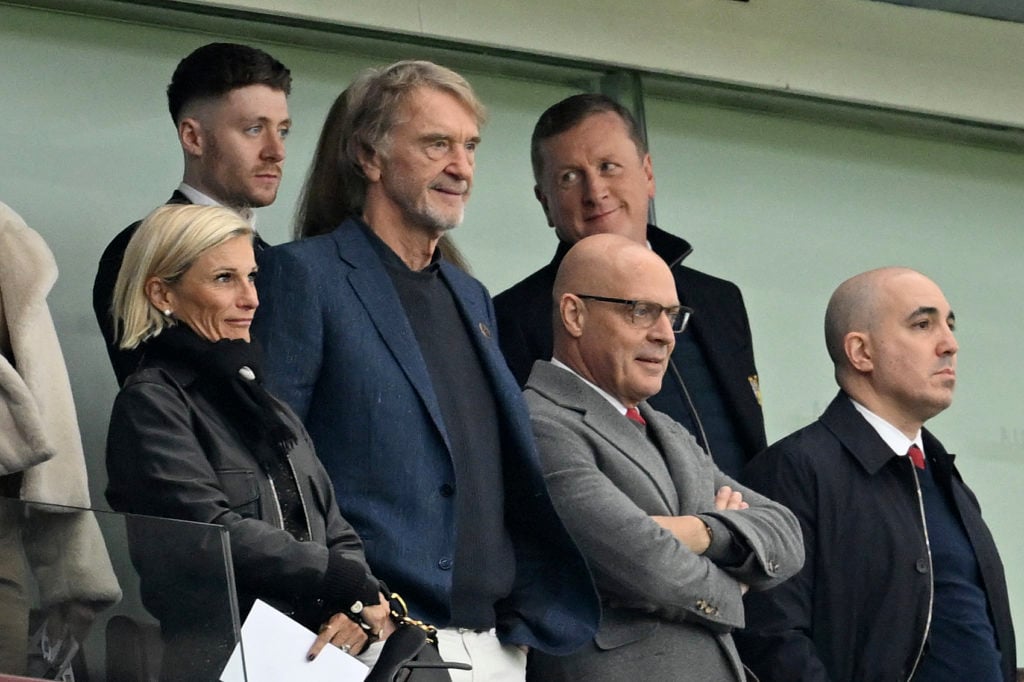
x: 645, y: 314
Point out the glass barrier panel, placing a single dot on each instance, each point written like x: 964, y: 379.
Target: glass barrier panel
x: 97, y: 596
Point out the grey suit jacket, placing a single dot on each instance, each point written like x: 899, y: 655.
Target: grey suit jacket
x: 607, y: 479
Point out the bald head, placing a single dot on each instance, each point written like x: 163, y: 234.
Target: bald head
x: 855, y: 306
x: 851, y: 308
x: 889, y: 333
x: 602, y: 340
x: 605, y: 260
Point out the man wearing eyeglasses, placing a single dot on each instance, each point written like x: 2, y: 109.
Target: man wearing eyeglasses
x: 388, y: 353
x: 593, y: 175
x: 672, y: 542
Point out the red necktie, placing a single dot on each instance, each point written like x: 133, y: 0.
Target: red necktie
x: 916, y: 456
x: 635, y: 415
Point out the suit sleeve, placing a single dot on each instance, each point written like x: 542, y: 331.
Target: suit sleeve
x: 289, y: 327
x: 764, y: 542
x: 123, y: 361
x: 635, y: 562
x: 777, y: 643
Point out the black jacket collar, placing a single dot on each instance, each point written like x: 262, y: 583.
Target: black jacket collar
x: 866, y: 446
x: 671, y: 248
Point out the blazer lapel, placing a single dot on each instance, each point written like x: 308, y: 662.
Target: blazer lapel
x: 686, y: 471
x: 374, y: 289
x: 856, y: 434
x: 569, y: 391
x: 637, y: 448
x: 479, y: 320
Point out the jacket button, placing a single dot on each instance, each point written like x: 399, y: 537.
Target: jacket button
x: 445, y: 564
x: 921, y: 565
x: 447, y: 490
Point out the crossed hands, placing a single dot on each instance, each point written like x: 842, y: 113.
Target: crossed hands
x: 691, y: 531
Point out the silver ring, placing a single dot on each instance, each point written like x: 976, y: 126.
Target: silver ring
x: 346, y: 648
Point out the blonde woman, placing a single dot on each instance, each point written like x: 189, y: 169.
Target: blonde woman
x: 194, y: 436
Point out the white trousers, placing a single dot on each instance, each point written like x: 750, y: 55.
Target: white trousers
x: 492, y: 661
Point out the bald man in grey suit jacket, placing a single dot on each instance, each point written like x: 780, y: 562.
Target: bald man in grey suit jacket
x: 672, y: 542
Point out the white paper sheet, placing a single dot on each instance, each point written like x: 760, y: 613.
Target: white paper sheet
x: 276, y: 648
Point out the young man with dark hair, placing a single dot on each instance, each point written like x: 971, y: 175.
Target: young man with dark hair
x: 229, y: 103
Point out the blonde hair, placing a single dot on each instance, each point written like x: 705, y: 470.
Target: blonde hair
x: 165, y: 245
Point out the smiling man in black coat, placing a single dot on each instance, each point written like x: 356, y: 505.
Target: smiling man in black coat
x: 594, y: 175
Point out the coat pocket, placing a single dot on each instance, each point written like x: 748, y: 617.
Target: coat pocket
x: 242, y: 488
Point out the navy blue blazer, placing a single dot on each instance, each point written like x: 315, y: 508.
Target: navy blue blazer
x: 340, y: 350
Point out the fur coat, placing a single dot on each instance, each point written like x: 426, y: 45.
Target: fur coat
x: 39, y: 429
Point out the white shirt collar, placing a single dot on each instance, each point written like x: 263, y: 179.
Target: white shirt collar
x: 197, y: 197
x: 892, y: 436
x: 604, y: 394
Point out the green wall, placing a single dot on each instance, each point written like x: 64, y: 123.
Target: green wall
x: 788, y: 209
x: 91, y: 148
x: 785, y: 207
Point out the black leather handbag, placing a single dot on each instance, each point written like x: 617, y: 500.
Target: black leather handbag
x: 410, y: 653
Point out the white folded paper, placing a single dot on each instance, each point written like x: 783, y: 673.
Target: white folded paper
x: 275, y: 649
